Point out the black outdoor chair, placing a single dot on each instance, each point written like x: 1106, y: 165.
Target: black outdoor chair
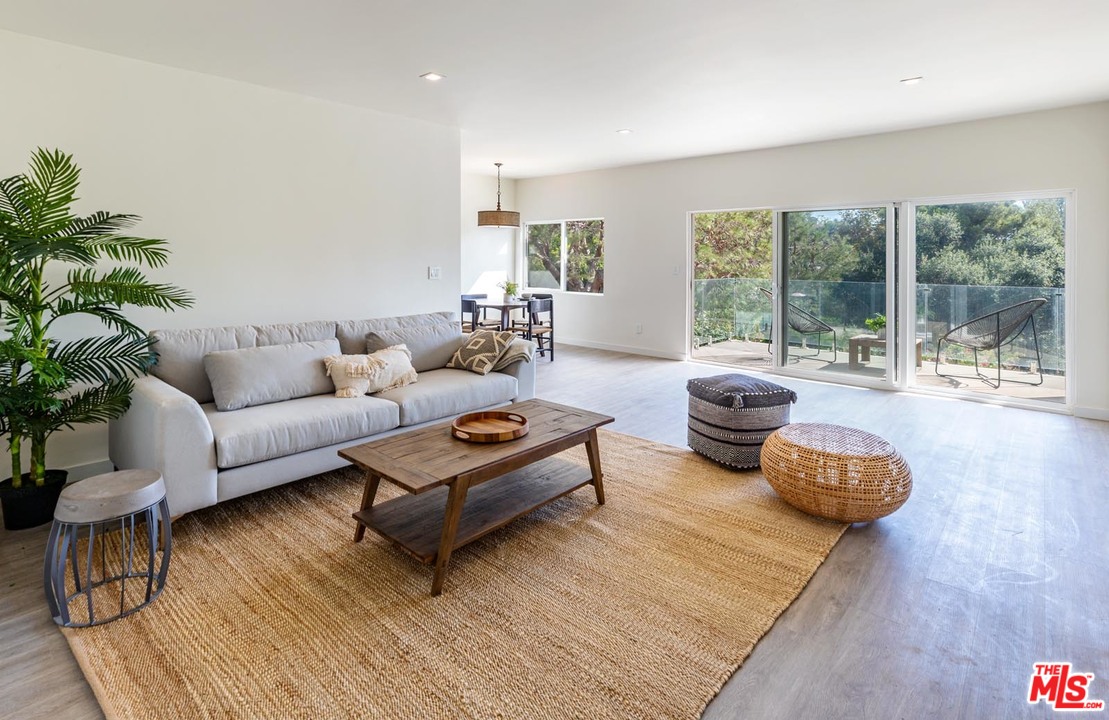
x: 805, y: 323
x: 994, y: 331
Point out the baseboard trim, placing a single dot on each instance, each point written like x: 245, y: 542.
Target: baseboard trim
x: 621, y: 348
x: 87, y: 470
x: 1091, y: 413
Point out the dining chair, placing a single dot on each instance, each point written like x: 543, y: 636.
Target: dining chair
x: 538, y: 324
x: 470, y: 319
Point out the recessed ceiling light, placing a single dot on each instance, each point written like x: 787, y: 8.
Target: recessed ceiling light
x: 912, y: 80
x: 623, y: 131
x: 432, y: 76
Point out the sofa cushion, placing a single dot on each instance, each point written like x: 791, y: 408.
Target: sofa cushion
x: 447, y: 393
x: 352, y: 333
x: 432, y: 346
x: 286, y: 333
x: 181, y: 355
x: 260, y: 375
x: 279, y: 429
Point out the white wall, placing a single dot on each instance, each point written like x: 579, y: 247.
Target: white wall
x: 488, y: 253
x: 277, y: 207
x: 646, y: 234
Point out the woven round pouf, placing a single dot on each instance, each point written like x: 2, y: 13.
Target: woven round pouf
x: 836, y: 472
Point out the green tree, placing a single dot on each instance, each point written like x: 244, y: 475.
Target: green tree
x: 544, y: 255
x: 733, y: 244
x: 816, y: 251
x: 585, y: 256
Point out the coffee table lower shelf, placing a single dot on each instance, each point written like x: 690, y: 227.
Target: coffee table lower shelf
x: 415, y: 522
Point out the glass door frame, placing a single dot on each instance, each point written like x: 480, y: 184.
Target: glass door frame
x: 908, y: 272
x: 893, y: 288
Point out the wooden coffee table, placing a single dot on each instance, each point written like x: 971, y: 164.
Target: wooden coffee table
x: 460, y: 491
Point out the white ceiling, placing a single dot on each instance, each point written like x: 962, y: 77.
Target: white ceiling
x: 543, y: 86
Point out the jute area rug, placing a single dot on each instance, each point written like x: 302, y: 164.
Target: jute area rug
x: 641, y: 608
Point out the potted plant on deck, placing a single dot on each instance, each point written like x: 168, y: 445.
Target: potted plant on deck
x: 876, y: 325
x: 52, y: 267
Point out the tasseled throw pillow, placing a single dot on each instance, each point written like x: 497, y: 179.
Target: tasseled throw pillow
x: 356, y: 375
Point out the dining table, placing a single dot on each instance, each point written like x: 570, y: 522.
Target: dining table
x: 505, y: 307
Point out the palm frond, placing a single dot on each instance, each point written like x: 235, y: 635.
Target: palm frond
x: 99, y: 223
x: 124, y: 248
x: 93, y: 405
x: 109, y: 315
x: 50, y: 190
x: 126, y: 286
x: 13, y: 201
x: 104, y: 359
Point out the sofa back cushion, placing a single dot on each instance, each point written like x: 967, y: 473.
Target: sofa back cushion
x: 287, y: 333
x: 432, y: 346
x: 352, y: 333
x: 181, y: 355
x: 260, y: 375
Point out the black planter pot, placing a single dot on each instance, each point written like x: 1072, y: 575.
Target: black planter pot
x: 29, y: 505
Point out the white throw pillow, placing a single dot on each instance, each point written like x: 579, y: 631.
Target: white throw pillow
x: 356, y: 375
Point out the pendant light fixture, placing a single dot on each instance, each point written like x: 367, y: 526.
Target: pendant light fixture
x: 498, y: 217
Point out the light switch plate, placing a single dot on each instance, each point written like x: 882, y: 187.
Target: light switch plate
x: 434, y: 272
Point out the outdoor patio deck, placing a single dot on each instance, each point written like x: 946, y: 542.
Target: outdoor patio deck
x: 754, y: 355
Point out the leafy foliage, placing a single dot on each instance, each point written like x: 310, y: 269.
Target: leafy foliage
x: 733, y: 244
x: 584, y: 250
x: 46, y: 384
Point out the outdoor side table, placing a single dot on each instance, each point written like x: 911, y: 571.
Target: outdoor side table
x: 109, y: 547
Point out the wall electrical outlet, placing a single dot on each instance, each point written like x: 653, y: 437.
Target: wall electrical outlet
x: 639, y: 328
x: 434, y: 272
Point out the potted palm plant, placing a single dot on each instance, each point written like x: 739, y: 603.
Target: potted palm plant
x: 47, y: 383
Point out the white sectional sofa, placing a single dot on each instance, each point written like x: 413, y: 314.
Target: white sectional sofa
x: 207, y: 455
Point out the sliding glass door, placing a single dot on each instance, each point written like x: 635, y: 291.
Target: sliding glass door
x: 977, y: 306
x: 836, y: 291
x: 732, y: 276
x: 990, y: 296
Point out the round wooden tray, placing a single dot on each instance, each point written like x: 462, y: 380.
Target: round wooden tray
x: 489, y: 427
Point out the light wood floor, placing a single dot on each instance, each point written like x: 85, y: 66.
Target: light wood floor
x: 997, y: 561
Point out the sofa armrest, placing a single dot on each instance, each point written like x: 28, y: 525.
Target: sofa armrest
x: 166, y: 430
x: 524, y: 372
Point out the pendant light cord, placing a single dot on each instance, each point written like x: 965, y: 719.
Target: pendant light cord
x: 498, y: 186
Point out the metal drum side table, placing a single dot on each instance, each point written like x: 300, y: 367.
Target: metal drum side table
x: 109, y: 547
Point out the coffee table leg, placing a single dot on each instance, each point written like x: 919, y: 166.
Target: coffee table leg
x: 593, y: 448
x: 368, y: 495
x: 456, y: 498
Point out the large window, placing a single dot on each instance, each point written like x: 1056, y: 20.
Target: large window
x: 566, y: 255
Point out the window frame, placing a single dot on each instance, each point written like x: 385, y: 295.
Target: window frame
x: 524, y: 255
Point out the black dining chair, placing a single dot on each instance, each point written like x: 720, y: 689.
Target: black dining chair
x: 470, y: 319
x: 538, y: 324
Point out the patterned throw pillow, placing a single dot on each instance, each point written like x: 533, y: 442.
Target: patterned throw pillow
x: 481, y: 351
x: 356, y: 375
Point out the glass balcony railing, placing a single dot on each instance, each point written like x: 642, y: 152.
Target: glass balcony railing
x: 731, y: 309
